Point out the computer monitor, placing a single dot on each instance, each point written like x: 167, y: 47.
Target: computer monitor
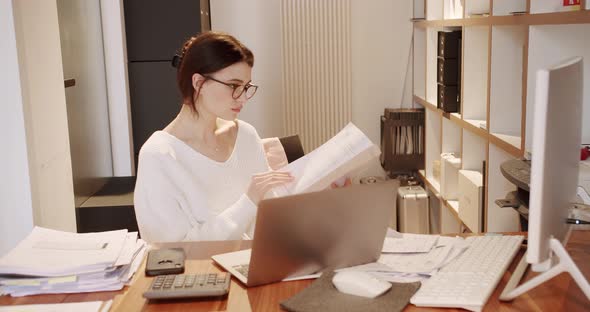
x: 555, y: 157
x: 554, y: 175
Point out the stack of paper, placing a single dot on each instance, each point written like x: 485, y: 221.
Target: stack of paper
x: 49, y: 261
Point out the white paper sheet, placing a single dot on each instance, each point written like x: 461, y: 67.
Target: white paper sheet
x: 409, y: 244
x: 130, y: 249
x: 447, y: 249
x: 90, y: 306
x: 347, y: 151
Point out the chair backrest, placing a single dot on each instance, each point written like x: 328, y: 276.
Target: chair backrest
x: 293, y: 147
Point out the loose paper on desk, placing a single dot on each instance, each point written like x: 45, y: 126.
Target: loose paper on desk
x: 445, y: 250
x: 348, y: 151
x: 408, y: 267
x: 89, y: 306
x: 409, y: 243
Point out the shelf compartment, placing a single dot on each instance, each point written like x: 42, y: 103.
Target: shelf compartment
x: 506, y: 94
x: 549, y: 6
x: 419, y: 9
x: 475, y: 73
x: 427, y: 105
x: 454, y: 205
x: 451, y: 137
x: 419, y: 60
x: 443, y: 210
x: 474, y: 151
x: 513, y: 140
x: 452, y: 9
x: 499, y: 219
x: 433, y: 142
x: 435, y: 206
x: 434, y: 10
x: 449, y: 219
x: 476, y: 8
x: 477, y: 123
x: 432, y: 64
x: 507, y: 7
x: 431, y: 184
x: 573, y: 41
x: 472, y: 126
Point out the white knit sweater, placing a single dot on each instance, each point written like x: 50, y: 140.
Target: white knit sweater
x: 182, y: 195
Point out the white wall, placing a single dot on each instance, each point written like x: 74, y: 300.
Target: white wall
x: 381, y: 43
x: 381, y: 71
x: 44, y: 106
x: 16, y: 210
x: 552, y: 45
x: 257, y: 24
x: 381, y: 63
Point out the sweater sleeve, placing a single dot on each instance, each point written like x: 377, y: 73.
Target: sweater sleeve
x: 162, y: 209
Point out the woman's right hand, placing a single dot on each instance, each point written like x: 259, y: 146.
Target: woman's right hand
x: 263, y: 182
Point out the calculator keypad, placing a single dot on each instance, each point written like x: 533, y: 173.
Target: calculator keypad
x: 188, y: 286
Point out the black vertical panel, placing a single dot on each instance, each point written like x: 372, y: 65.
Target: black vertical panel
x: 155, y: 99
x: 156, y: 29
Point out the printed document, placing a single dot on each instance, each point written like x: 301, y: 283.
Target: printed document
x: 343, y: 154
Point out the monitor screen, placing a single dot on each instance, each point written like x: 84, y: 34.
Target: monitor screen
x: 555, y: 156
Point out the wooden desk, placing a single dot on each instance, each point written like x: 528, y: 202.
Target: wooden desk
x: 559, y: 294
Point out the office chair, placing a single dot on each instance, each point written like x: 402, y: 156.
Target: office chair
x: 293, y: 147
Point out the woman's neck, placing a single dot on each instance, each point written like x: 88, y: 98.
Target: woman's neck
x: 189, y: 127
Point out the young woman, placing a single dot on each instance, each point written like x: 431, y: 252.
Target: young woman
x: 202, y: 177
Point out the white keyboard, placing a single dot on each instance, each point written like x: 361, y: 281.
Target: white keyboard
x: 468, y: 281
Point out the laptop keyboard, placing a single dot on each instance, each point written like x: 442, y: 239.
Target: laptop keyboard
x: 242, y: 268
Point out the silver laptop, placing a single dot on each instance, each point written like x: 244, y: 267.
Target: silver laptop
x: 299, y: 235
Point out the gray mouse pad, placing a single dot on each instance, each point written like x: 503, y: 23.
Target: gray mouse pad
x: 321, y: 295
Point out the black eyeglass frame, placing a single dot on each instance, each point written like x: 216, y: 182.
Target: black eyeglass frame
x: 236, y: 87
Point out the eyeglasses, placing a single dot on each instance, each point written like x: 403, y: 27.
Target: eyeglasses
x: 250, y: 89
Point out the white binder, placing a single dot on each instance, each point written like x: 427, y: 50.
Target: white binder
x: 470, y: 200
x: 449, y: 170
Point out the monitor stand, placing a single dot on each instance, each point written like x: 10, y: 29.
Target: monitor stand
x: 565, y: 264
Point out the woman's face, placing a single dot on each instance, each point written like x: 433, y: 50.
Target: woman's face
x: 216, y: 97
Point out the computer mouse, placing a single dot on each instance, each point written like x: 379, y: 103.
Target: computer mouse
x: 359, y: 284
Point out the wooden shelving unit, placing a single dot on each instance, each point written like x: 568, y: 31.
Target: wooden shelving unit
x: 575, y: 17
x: 502, y: 48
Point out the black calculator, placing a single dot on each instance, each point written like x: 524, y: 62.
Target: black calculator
x: 189, y: 286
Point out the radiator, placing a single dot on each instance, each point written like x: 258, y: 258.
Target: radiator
x: 317, y: 82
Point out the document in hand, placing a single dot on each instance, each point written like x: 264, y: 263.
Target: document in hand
x: 348, y: 151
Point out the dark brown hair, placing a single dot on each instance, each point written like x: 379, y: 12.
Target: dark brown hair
x: 207, y: 53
